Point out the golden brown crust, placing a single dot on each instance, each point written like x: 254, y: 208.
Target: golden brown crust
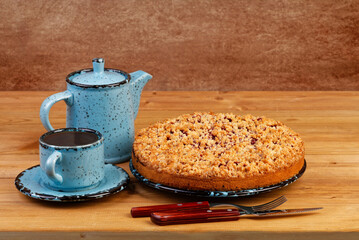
x: 217, y: 184
x: 206, y: 151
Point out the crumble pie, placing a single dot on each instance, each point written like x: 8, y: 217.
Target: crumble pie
x: 218, y: 151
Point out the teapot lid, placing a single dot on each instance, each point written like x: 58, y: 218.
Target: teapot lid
x: 98, y: 76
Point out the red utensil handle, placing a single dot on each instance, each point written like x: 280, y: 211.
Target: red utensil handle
x: 201, y: 215
x: 147, y: 210
x: 199, y: 220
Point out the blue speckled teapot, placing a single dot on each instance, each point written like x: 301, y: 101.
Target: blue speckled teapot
x: 103, y: 99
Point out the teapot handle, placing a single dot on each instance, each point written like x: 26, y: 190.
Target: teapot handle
x: 67, y: 96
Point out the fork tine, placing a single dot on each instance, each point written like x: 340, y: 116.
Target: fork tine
x: 270, y: 205
x: 281, y: 198
x: 274, y: 202
x: 251, y: 209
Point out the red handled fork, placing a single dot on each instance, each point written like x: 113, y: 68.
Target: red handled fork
x: 146, y: 211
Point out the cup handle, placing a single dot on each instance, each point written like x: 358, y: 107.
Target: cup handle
x: 67, y: 96
x: 50, y: 167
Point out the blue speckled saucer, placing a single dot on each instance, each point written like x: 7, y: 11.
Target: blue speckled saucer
x: 30, y: 183
x: 194, y: 193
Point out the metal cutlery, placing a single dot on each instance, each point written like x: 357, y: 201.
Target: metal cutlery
x: 146, y: 211
x: 217, y: 215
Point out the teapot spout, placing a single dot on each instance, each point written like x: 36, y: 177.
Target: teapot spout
x: 138, y: 81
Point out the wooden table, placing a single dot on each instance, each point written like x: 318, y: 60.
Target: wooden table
x: 327, y: 121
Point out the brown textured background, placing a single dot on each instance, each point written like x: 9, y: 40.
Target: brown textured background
x: 185, y: 45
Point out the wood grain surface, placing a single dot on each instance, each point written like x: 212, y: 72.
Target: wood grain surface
x: 185, y: 44
x: 327, y: 121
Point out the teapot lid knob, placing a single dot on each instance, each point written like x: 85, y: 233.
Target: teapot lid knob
x: 98, y: 65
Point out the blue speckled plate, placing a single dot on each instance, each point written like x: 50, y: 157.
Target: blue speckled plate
x: 29, y: 182
x: 194, y: 193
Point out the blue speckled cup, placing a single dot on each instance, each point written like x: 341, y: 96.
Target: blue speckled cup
x: 72, y: 167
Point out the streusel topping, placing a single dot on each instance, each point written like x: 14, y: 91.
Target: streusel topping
x: 218, y: 145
